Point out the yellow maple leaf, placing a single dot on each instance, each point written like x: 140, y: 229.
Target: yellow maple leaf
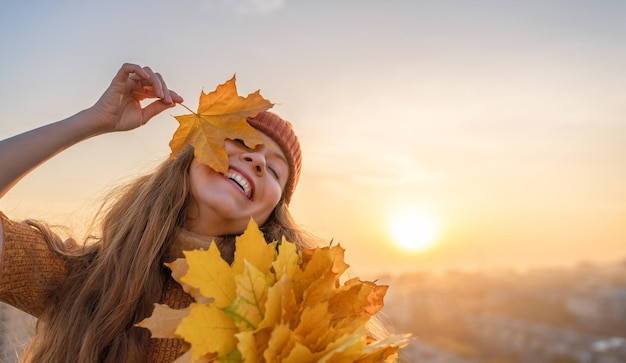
x: 211, y: 275
x: 325, y: 258
x: 221, y: 115
x: 246, y: 344
x: 285, y: 307
x: 300, y: 354
x: 248, y: 248
x: 318, y: 274
x: 314, y: 323
x: 248, y: 308
x: 179, y: 269
x: 287, y: 260
x: 278, y: 297
x: 346, y: 348
x: 208, y: 330
x: 384, y: 350
x: 375, y: 299
x: 365, y: 297
x: 281, y: 342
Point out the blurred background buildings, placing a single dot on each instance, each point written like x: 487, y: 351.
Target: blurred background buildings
x: 565, y: 315
x: 568, y: 315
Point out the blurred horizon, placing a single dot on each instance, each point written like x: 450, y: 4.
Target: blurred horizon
x: 558, y: 315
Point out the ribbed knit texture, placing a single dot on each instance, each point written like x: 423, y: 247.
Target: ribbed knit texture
x: 282, y: 133
x: 167, y: 350
x: 30, y: 270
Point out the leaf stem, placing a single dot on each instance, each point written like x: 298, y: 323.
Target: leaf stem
x: 182, y: 104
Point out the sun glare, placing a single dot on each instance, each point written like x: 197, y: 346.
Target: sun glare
x: 413, y: 229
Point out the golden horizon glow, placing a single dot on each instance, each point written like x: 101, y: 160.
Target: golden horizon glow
x: 414, y: 229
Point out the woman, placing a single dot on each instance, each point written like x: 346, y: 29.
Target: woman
x: 88, y: 297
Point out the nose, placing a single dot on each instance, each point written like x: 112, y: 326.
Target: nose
x: 256, y: 161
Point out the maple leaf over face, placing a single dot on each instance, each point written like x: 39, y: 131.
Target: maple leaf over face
x: 221, y: 115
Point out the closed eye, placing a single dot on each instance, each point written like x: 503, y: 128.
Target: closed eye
x: 274, y: 172
x: 241, y: 142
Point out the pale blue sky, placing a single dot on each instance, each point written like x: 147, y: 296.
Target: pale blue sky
x: 505, y: 119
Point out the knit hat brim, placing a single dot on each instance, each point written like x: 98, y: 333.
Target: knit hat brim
x: 281, y: 131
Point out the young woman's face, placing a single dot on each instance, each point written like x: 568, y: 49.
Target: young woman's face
x: 253, y: 187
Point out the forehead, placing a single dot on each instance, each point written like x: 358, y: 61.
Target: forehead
x: 273, y: 147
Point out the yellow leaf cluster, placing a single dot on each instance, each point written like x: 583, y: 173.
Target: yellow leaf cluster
x: 221, y: 115
x: 273, y: 304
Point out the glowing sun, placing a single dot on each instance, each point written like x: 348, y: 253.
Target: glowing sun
x: 413, y: 229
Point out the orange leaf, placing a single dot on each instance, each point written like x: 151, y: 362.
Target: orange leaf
x: 221, y: 115
x: 163, y: 321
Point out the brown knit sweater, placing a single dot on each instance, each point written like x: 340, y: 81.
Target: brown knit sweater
x: 29, y: 270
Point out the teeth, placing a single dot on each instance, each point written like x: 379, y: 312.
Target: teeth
x: 243, y: 183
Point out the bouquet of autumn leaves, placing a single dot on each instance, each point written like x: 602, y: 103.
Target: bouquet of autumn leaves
x: 274, y: 303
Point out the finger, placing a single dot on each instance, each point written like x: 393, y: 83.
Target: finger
x: 147, y: 92
x: 175, y: 97
x: 140, y: 92
x: 167, y: 98
x: 155, y: 82
x: 130, y: 70
x: 154, y: 109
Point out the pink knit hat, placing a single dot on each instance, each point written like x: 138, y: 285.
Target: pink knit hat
x: 282, y: 133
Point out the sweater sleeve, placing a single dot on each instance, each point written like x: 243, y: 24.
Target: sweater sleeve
x: 30, y: 270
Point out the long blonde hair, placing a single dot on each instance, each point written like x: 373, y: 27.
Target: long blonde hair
x: 114, y: 282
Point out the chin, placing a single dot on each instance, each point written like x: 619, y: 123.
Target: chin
x: 232, y: 227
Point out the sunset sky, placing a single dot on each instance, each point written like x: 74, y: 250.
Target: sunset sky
x: 503, y: 121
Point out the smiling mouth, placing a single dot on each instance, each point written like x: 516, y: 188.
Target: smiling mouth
x: 241, y: 181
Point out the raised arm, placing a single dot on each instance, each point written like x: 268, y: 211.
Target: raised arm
x: 118, y: 109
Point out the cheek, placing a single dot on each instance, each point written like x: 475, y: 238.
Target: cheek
x: 277, y: 193
x: 200, y: 179
x: 262, y: 217
x: 194, y: 175
x: 271, y: 199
